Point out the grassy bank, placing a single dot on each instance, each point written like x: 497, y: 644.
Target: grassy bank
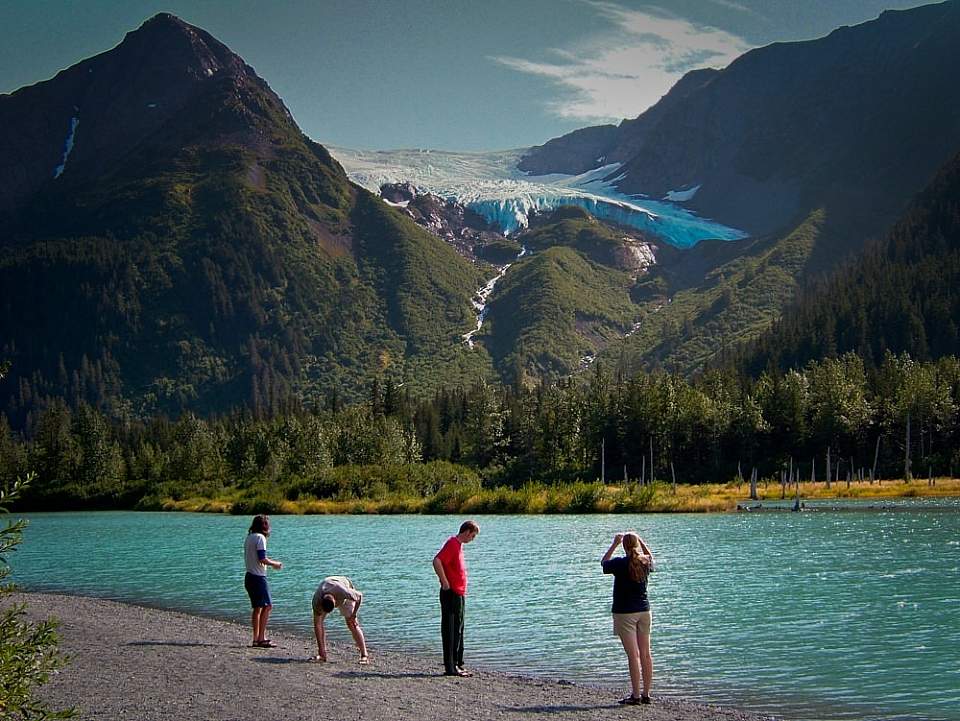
x: 468, y: 497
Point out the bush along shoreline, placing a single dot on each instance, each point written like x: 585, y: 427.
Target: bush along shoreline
x: 468, y: 496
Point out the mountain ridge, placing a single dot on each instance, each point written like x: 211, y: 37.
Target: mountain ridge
x: 216, y: 256
x: 816, y: 147
x: 761, y: 136
x: 898, y: 297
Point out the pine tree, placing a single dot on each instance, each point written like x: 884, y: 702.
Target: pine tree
x: 28, y: 651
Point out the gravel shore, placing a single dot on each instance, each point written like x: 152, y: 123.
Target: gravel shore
x: 129, y: 662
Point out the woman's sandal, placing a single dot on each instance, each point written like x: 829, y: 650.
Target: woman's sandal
x: 364, y: 660
x: 265, y: 643
x: 632, y: 701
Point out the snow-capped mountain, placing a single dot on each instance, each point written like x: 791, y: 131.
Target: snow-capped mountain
x: 491, y: 185
x: 855, y: 123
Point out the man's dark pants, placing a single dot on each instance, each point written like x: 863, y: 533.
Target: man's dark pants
x: 452, y: 607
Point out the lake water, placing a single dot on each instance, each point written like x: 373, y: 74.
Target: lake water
x: 851, y: 614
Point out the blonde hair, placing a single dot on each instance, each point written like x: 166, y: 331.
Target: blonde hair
x: 639, y: 565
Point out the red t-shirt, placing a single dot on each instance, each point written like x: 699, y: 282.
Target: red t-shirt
x: 451, y: 558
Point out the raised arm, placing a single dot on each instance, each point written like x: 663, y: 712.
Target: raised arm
x: 613, y: 547
x: 646, y: 550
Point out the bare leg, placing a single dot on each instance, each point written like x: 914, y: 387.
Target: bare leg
x: 633, y: 659
x: 646, y: 661
x: 262, y: 628
x: 255, y: 622
x: 358, y: 638
x: 318, y: 631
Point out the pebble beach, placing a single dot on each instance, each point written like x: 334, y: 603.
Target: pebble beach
x: 133, y: 662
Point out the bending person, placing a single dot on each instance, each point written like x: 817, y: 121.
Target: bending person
x: 631, y: 610
x: 338, y: 592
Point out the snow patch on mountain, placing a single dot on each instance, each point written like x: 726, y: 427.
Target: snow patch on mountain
x: 479, y: 301
x: 682, y: 196
x: 491, y: 185
x: 67, y: 146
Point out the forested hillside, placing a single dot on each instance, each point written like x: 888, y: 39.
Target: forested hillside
x: 568, y: 298
x: 395, y: 454
x: 900, y: 297
x: 205, y: 255
x: 814, y: 147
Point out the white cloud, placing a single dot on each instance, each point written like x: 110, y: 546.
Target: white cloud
x: 733, y: 6
x: 621, y: 73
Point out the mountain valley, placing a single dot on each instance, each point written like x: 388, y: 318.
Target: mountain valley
x: 172, y: 241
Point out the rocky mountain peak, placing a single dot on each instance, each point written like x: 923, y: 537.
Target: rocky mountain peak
x: 165, y: 83
x: 166, y: 43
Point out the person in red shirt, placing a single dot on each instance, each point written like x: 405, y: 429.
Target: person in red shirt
x: 452, y: 572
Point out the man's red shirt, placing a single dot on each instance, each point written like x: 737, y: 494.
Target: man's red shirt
x: 451, y: 558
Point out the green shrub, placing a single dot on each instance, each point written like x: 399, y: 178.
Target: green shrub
x: 635, y: 498
x: 585, y: 497
x: 28, y: 651
x: 258, y: 502
x: 452, y: 496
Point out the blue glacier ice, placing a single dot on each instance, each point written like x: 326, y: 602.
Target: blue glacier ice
x: 490, y: 184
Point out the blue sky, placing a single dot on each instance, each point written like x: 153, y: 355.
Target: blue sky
x: 445, y: 74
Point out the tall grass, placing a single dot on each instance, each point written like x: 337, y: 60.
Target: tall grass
x: 465, y: 495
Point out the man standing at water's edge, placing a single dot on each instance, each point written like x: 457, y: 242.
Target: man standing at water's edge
x: 451, y: 569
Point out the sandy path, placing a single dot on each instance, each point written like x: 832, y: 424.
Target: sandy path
x: 130, y: 662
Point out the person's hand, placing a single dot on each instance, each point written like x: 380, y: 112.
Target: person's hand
x: 278, y: 566
x: 617, y: 538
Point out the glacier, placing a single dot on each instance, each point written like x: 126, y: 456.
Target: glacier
x: 490, y: 184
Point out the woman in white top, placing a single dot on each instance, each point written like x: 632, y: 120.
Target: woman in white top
x: 255, y: 581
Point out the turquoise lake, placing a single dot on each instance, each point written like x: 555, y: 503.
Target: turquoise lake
x: 840, y: 614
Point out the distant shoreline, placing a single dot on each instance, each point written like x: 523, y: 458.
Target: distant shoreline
x: 576, y: 497
x: 538, y: 499
x: 130, y: 661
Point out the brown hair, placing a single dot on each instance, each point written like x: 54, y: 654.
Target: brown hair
x: 260, y: 524
x: 639, y: 566
x: 469, y: 526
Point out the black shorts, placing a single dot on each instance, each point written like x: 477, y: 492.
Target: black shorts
x: 258, y: 590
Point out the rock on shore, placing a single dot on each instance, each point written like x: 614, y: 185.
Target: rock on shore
x: 129, y: 662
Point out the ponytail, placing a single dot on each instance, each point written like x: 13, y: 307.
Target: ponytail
x: 639, y: 565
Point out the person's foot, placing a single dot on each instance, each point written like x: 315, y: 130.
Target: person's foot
x: 645, y: 699
x: 631, y: 700
x: 265, y: 643
x: 462, y: 672
x: 319, y: 659
x: 364, y: 660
